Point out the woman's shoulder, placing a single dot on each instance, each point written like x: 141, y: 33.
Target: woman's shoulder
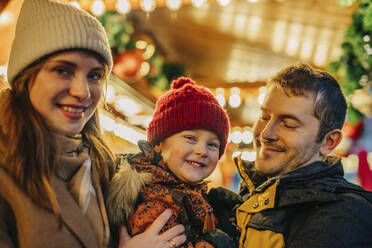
x: 7, y: 224
x: 11, y: 192
x: 7, y: 183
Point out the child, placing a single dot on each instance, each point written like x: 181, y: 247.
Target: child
x: 186, y: 138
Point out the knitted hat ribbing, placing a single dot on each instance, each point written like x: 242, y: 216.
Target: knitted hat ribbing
x: 187, y: 106
x: 46, y: 26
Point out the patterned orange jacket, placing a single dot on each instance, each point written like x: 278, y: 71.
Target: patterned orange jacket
x: 164, y: 190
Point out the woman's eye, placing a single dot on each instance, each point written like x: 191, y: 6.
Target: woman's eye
x: 96, y: 76
x: 63, y: 71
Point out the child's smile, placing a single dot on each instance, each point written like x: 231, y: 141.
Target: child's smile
x: 191, y: 155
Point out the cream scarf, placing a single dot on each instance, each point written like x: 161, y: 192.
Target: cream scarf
x: 76, y: 169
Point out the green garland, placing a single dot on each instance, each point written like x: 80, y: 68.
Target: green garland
x: 354, y: 67
x: 119, y: 32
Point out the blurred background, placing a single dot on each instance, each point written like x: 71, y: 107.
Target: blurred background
x: 232, y: 47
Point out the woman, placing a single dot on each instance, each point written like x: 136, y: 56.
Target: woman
x: 54, y: 164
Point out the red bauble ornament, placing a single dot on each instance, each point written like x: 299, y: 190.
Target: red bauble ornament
x: 353, y: 131
x: 128, y: 64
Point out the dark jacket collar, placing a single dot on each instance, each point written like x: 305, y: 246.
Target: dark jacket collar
x: 319, y: 181
x: 330, y: 166
x: 318, y: 169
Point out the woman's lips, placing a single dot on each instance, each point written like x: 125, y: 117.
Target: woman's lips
x: 73, y: 112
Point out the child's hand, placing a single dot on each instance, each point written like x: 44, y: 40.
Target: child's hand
x: 173, y: 237
x: 223, y: 199
x: 224, y: 203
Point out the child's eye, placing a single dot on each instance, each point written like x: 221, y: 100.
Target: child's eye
x: 190, y: 138
x: 214, y: 145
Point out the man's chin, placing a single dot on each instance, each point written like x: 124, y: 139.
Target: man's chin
x: 260, y: 166
x: 265, y: 167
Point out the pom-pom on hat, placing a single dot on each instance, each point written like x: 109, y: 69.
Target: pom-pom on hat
x: 188, y: 106
x: 47, y: 26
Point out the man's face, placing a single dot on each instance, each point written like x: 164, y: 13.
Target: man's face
x: 285, y: 133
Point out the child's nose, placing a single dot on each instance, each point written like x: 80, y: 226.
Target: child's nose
x: 201, y: 149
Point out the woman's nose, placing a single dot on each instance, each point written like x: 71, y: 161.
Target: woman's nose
x: 80, y: 88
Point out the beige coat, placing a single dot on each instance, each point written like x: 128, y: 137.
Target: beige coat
x: 33, y: 226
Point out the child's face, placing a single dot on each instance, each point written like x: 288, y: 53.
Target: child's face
x: 191, y: 155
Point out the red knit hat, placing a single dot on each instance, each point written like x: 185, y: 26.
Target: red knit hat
x: 188, y: 106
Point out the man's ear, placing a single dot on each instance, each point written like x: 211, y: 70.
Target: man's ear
x: 330, y: 141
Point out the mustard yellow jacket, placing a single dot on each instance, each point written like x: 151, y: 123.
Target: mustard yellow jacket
x: 313, y: 206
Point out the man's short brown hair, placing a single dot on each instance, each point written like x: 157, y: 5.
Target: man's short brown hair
x: 329, y: 105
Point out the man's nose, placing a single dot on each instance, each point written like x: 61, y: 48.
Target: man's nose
x: 269, y: 132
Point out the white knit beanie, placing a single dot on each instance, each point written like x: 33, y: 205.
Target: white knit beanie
x: 46, y: 26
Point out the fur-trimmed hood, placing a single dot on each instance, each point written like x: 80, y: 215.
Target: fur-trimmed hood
x: 123, y: 191
x: 144, y: 187
x: 134, y: 172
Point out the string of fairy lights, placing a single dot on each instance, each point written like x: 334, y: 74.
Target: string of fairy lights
x: 98, y: 7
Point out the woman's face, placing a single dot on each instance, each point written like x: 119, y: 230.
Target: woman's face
x: 67, y: 90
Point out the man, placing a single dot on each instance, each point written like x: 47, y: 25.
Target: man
x: 294, y: 194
